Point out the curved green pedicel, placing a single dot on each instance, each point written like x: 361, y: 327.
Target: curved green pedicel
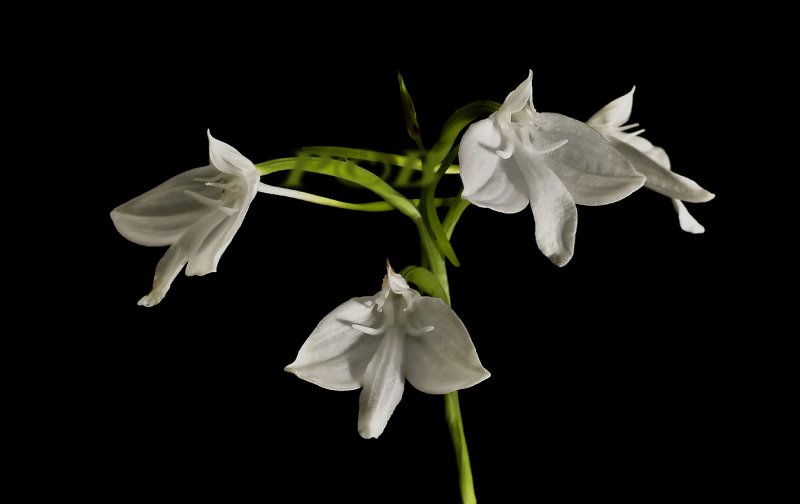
x: 348, y: 171
x: 372, y: 206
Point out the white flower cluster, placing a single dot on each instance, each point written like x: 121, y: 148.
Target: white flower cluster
x: 514, y: 158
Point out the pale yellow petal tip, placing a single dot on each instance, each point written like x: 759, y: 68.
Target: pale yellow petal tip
x: 150, y: 300
x: 689, y: 224
x: 369, y: 431
x: 703, y: 197
x: 485, y: 376
x: 115, y: 218
x: 694, y: 230
x: 559, y: 260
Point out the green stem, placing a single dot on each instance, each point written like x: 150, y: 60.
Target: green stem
x: 452, y: 412
x: 433, y: 258
x: 372, y: 206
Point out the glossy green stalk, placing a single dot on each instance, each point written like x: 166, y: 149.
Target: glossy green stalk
x: 452, y: 412
x: 434, y: 258
x: 372, y: 206
x: 431, y: 278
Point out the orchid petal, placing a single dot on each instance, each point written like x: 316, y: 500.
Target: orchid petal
x: 614, y: 114
x: 217, y: 235
x: 661, y: 179
x: 167, y: 269
x: 178, y: 254
x: 227, y: 159
x: 593, y: 171
x: 160, y: 216
x: 640, y: 143
x: 383, y: 385
x: 659, y: 155
x: 517, y: 99
x: 218, y: 239
x: 687, y: 221
x: 443, y: 359
x: 553, y: 209
x: 336, y: 355
x: 489, y: 180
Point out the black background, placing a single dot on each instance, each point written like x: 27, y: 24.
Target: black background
x: 610, y: 376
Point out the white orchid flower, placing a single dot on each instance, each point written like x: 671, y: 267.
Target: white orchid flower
x: 377, y: 342
x: 519, y: 156
x: 649, y: 160
x: 196, y: 213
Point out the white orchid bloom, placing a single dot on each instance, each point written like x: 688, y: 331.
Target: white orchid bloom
x: 519, y: 156
x: 196, y: 213
x: 649, y: 160
x: 377, y: 342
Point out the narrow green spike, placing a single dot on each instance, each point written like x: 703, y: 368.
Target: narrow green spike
x: 409, y: 113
